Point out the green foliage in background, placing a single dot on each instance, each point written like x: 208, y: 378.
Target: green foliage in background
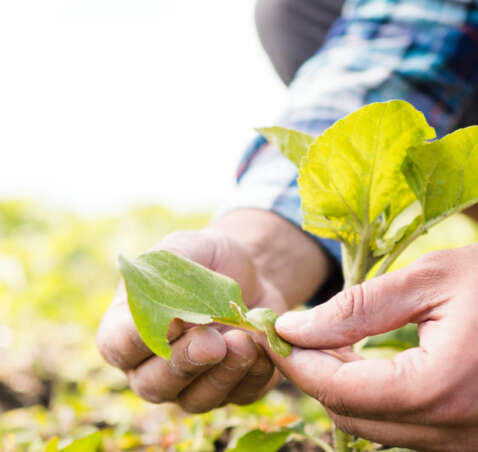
x: 57, y: 275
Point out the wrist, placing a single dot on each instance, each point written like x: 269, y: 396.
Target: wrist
x: 282, y: 253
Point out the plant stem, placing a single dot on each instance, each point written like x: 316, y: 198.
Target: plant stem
x: 320, y: 442
x: 391, y: 258
x: 355, y: 269
x: 342, y: 441
x: 357, y: 266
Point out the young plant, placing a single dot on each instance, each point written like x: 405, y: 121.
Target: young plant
x: 359, y: 177
x: 357, y: 181
x: 361, y: 174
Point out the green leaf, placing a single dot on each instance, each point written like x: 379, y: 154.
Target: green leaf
x: 363, y: 445
x: 264, y: 320
x: 385, y: 245
x: 162, y: 286
x: 52, y: 445
x: 443, y: 174
x: 259, y: 441
x: 90, y: 443
x: 401, y: 339
x: 292, y: 143
x: 347, y: 177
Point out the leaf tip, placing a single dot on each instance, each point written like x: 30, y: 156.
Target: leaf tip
x: 123, y: 263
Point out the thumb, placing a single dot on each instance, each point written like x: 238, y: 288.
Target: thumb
x: 373, y: 307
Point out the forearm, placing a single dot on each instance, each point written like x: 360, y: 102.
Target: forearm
x: 283, y: 254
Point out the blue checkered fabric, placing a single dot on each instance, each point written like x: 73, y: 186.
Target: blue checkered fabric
x: 422, y: 51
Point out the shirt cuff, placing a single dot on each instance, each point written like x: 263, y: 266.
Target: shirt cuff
x: 270, y: 183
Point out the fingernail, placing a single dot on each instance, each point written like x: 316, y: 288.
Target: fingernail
x: 290, y: 321
x: 196, y: 354
x: 199, y: 353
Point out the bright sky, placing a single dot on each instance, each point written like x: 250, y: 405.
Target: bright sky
x: 108, y: 103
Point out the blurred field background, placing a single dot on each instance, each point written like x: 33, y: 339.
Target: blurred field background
x: 111, y: 109
x: 57, y: 275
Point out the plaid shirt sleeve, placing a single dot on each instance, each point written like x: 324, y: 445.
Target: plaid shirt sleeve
x: 422, y: 51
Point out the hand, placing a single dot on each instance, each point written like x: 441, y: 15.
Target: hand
x: 426, y: 398
x: 210, y: 365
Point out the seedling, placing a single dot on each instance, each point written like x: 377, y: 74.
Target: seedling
x: 362, y: 175
x: 357, y: 182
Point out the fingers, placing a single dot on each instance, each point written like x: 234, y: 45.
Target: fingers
x: 260, y: 378
x: 118, y: 339
x: 376, y: 306
x: 205, y: 371
x: 158, y: 380
x: 424, y: 438
x: 397, y: 389
x: 209, y: 390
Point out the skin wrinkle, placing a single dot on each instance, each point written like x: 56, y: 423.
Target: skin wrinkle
x: 425, y: 397
x: 189, y: 350
x: 424, y: 301
x: 263, y: 272
x: 262, y: 370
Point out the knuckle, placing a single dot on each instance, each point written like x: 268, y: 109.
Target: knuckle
x: 346, y: 425
x: 144, y: 390
x: 262, y: 369
x: 113, y: 346
x: 350, y: 302
x: 431, y: 268
x: 350, y: 307
x: 221, y: 380
x: 182, y: 372
x: 192, y: 406
x: 427, y: 276
x: 333, y: 402
x: 241, y: 349
x: 245, y: 398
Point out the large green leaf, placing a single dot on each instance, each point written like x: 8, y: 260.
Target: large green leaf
x: 162, y: 286
x: 351, y: 174
x: 292, y: 143
x: 443, y: 174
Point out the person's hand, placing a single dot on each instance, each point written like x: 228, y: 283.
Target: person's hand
x: 209, y: 365
x: 426, y: 398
